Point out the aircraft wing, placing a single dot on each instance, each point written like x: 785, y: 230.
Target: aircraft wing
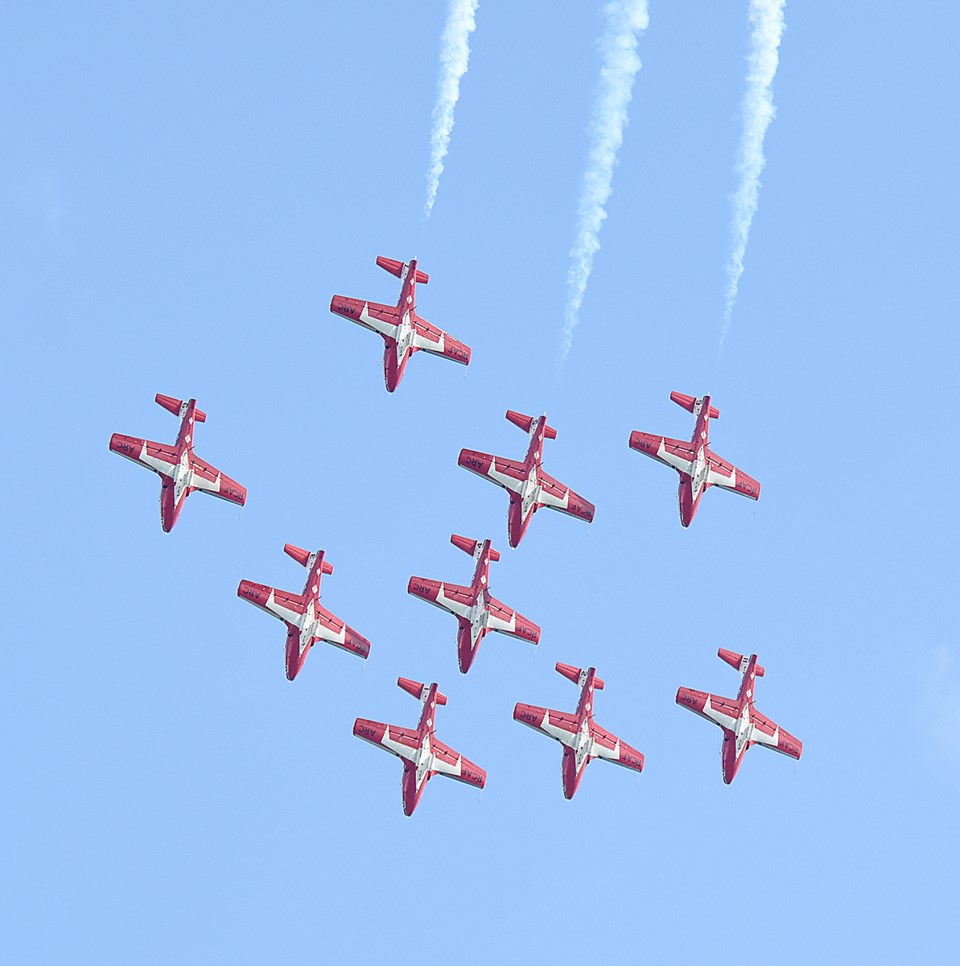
x: 158, y: 457
x: 769, y: 734
x: 508, y: 621
x: 282, y: 604
x: 506, y: 473
x: 559, y: 497
x: 449, y: 597
x: 402, y: 742
x: 431, y: 339
x: 610, y: 748
x: 447, y: 762
x: 722, y: 473
x: 554, y: 724
x: 341, y: 635
x: 384, y: 319
x: 721, y: 711
x: 673, y: 452
x: 210, y: 480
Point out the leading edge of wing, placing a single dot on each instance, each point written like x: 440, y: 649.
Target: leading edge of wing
x: 673, y: 452
x: 724, y: 474
x: 379, y: 318
x: 506, y: 473
x: 452, y: 764
x: 558, y: 725
x: 429, y: 338
x: 555, y: 495
x: 609, y: 747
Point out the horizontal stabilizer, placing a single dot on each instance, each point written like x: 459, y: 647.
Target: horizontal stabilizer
x: 688, y: 403
x: 525, y: 422
x: 470, y: 546
x: 302, y: 557
x: 173, y: 406
x: 418, y: 690
x: 739, y: 661
x: 394, y: 267
x: 573, y: 673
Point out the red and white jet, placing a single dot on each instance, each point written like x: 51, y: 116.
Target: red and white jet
x: 476, y: 611
x: 742, y: 724
x: 307, y: 621
x: 582, y: 738
x: 404, y: 332
x: 180, y: 469
x: 529, y: 486
x: 699, y: 467
x: 423, y: 754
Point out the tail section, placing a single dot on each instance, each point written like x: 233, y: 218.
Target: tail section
x: 176, y: 406
x: 578, y: 675
x: 418, y: 690
x: 394, y: 267
x: 302, y: 557
x: 470, y: 546
x: 525, y: 422
x: 692, y: 405
x: 739, y: 661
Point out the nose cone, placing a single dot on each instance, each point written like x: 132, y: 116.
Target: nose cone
x: 688, y: 506
x: 516, y: 525
x: 728, y: 757
x: 411, y: 794
x: 294, y: 660
x: 392, y: 369
x: 169, y: 510
x: 568, y: 768
x: 466, y: 652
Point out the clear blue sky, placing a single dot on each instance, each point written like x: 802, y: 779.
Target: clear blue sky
x: 182, y: 191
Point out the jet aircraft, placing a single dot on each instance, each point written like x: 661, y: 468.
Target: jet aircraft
x: 476, y: 611
x: 699, y: 467
x: 423, y: 754
x: 742, y: 724
x: 582, y: 738
x: 529, y: 486
x: 181, y: 471
x: 404, y: 332
x: 306, y: 619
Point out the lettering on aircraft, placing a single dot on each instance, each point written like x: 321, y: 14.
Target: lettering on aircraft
x: 126, y: 448
x: 420, y: 589
x: 473, y: 462
x: 349, y: 309
x: 367, y: 731
x: 528, y: 716
x: 457, y: 352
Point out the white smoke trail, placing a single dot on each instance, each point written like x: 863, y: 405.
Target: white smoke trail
x: 454, y: 58
x: 766, y: 16
x: 625, y: 20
